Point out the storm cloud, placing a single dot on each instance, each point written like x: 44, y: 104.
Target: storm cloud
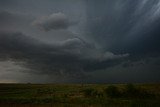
x: 80, y: 41
x: 68, y: 58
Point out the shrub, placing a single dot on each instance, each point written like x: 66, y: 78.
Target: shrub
x: 90, y: 92
x: 96, y: 93
x: 131, y: 91
x: 112, y: 91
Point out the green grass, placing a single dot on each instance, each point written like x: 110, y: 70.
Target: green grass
x: 95, y: 95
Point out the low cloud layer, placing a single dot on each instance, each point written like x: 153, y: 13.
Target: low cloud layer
x: 70, y: 58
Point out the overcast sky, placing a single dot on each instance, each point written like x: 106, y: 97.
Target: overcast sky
x: 79, y: 41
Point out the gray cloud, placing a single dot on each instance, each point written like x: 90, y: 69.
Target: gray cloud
x: 106, y: 32
x: 54, y: 21
x: 71, y: 58
x: 142, y: 70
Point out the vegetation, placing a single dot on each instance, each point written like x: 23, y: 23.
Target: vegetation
x: 129, y: 91
x: 112, y: 91
x: 71, y: 95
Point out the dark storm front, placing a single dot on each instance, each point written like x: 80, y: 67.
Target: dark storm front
x: 79, y: 41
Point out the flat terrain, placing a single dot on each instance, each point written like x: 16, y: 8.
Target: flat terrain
x: 79, y: 95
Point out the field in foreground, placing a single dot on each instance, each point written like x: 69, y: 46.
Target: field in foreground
x: 79, y: 95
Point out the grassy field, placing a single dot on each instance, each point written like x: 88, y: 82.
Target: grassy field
x: 79, y: 95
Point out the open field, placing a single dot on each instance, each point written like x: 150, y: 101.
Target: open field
x: 79, y: 95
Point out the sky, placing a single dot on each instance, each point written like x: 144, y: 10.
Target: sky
x: 79, y: 41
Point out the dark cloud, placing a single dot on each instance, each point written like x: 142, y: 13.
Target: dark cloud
x: 128, y: 26
x: 15, y: 21
x: 54, y: 21
x: 69, y: 58
x: 7, y: 18
x: 113, y: 40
